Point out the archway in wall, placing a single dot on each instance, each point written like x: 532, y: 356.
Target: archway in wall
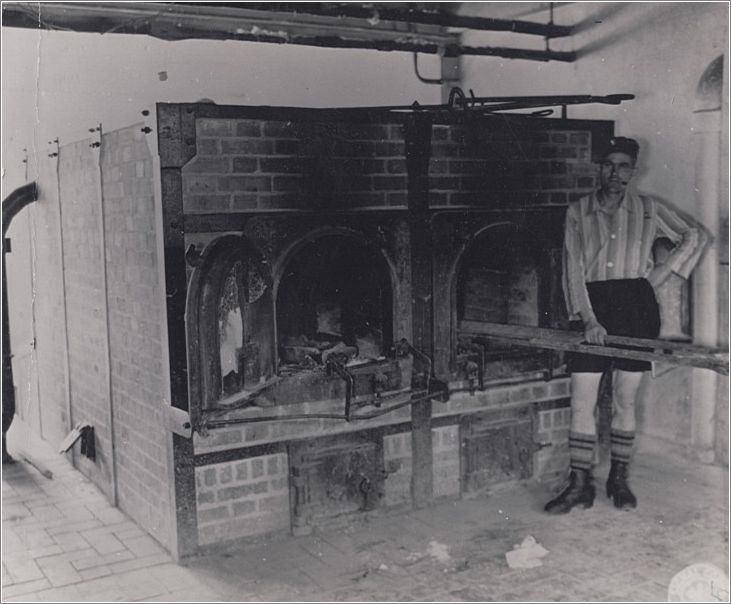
x: 710, y: 406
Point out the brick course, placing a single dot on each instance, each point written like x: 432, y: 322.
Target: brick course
x: 397, y: 463
x: 446, y: 446
x: 486, y: 165
x: 135, y: 314
x: 49, y: 305
x: 551, y: 462
x: 233, y: 494
x: 85, y: 299
x: 243, y: 498
x: 251, y: 164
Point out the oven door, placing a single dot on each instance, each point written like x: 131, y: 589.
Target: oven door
x: 495, y: 267
x: 301, y: 316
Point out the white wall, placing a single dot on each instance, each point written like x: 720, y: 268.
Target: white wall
x: 658, y: 52
x: 59, y: 84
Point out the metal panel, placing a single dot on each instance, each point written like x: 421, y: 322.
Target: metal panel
x: 334, y: 476
x: 496, y: 448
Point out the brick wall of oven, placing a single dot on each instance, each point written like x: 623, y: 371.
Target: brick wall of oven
x: 85, y: 300
x: 508, y: 165
x: 242, y: 498
x: 136, y: 317
x: 49, y: 305
x: 248, y: 494
x: 554, y: 421
x: 268, y: 164
x: 122, y: 321
x: 397, y: 463
x: 244, y: 165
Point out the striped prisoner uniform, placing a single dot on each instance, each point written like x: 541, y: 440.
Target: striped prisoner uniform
x: 602, y: 245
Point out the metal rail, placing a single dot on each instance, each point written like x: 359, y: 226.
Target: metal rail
x: 458, y: 101
x: 416, y: 396
x: 666, y: 351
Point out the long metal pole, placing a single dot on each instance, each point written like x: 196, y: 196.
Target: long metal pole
x: 677, y: 353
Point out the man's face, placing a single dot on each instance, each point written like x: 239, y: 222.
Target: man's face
x: 615, y: 172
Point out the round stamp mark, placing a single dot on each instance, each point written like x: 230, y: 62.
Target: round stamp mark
x: 701, y: 582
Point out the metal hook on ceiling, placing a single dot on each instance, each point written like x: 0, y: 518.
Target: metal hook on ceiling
x: 457, y: 99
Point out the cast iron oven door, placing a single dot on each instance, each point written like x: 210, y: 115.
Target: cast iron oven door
x: 334, y: 476
x: 502, y: 269
x: 497, y: 447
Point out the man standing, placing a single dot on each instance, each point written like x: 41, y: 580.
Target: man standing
x: 609, y: 280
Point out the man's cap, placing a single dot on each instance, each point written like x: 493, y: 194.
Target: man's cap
x: 620, y: 144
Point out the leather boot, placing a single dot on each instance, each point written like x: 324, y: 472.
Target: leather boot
x: 580, y: 491
x: 617, y: 486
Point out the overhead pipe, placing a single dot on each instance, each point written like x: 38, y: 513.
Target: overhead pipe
x: 174, y: 22
x: 422, y: 16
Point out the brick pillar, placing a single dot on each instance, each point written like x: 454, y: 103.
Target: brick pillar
x: 418, y: 150
x: 177, y: 146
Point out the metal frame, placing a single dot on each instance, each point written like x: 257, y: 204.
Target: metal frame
x: 666, y: 351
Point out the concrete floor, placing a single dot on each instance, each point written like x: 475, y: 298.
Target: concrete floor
x: 63, y: 542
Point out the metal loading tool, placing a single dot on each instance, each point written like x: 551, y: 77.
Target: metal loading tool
x: 666, y: 351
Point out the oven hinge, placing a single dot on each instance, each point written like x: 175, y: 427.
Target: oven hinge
x: 423, y: 379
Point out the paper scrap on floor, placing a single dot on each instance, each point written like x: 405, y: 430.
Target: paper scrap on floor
x: 526, y: 555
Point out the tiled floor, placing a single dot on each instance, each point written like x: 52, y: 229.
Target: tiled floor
x: 61, y: 541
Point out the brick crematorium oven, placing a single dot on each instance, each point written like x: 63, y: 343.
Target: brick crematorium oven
x: 287, y: 299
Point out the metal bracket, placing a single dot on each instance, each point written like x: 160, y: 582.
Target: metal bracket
x: 333, y: 366
x: 177, y: 421
x: 85, y: 432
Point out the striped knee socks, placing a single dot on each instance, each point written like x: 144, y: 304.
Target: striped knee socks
x: 622, y: 443
x: 581, y: 450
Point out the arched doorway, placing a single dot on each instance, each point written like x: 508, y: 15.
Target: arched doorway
x: 710, y: 405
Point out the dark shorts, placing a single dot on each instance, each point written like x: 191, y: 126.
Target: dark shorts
x: 625, y: 307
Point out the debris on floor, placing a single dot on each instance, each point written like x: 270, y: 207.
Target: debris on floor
x: 414, y: 556
x: 439, y: 551
x: 526, y: 555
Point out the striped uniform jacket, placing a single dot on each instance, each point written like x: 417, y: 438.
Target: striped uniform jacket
x: 600, y: 245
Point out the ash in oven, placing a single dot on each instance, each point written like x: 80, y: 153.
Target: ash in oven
x: 334, y: 303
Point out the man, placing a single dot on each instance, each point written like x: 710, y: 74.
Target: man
x: 609, y: 278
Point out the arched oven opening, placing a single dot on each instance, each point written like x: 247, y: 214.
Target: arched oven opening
x: 506, y: 276
x: 229, y: 323
x: 334, y: 298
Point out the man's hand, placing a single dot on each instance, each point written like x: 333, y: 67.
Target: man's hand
x: 594, y: 332
x: 658, y: 275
